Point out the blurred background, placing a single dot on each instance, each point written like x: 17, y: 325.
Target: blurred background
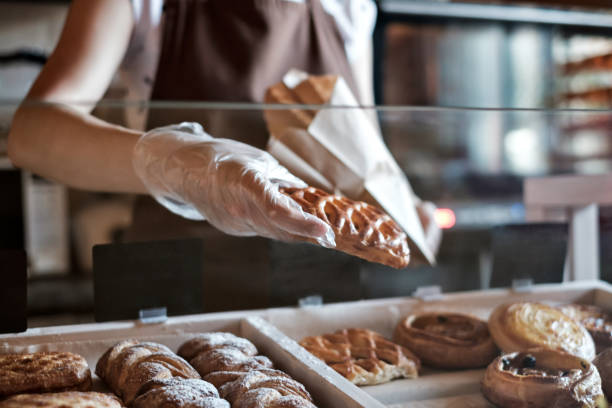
x: 479, y: 95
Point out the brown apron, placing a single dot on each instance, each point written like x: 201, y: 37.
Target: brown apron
x: 231, y: 51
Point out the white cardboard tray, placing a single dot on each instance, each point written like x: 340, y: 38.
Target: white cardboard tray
x: 434, y: 388
x: 91, y: 340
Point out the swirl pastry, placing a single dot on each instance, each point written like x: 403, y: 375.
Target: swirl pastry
x: 542, y: 378
x: 132, y: 369
x: 72, y: 399
x: 363, y: 356
x: 596, y: 320
x: 524, y: 325
x: 361, y: 229
x: 603, y: 362
x: 50, y: 371
x: 447, y: 340
x: 242, y: 377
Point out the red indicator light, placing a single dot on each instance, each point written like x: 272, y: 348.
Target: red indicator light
x: 445, y: 218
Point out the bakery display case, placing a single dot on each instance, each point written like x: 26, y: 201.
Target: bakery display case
x: 472, y: 163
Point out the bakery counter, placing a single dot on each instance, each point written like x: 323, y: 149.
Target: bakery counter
x: 276, y: 333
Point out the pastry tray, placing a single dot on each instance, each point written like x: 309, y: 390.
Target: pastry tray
x: 434, y: 387
x: 92, y: 340
x: 274, y: 332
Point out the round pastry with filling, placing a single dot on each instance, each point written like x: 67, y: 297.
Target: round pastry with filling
x: 524, y: 325
x: 542, y: 378
x: 596, y: 320
x: 447, y: 340
x: 603, y: 362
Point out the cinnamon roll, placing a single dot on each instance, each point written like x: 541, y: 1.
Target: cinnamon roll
x: 524, y: 325
x: 447, y: 340
x: 542, y: 378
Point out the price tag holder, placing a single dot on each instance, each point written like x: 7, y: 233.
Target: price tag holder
x: 132, y: 277
x: 13, y: 291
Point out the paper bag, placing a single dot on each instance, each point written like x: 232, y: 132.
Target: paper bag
x: 340, y: 149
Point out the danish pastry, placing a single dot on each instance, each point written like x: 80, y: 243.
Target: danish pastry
x: 541, y: 378
x: 362, y: 356
x: 72, y: 399
x: 447, y: 340
x: 208, y: 341
x: 50, y: 371
x: 524, y: 325
x: 360, y: 228
x: 596, y: 320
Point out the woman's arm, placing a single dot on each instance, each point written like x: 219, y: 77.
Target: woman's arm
x: 62, y: 141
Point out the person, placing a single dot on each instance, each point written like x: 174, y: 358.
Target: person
x: 214, y: 50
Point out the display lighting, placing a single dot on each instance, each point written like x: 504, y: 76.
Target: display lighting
x: 445, y: 218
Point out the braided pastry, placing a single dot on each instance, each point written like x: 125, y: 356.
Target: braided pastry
x: 130, y: 367
x: 363, y: 356
x: 361, y: 229
x: 208, y: 341
x: 179, y: 393
x: 245, y: 379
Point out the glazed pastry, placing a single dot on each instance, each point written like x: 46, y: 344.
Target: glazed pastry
x: 596, y: 320
x: 447, y: 340
x: 242, y: 377
x: 363, y: 356
x: 361, y: 229
x: 541, y: 378
x: 524, y: 325
x: 48, y: 371
x: 603, y: 362
x: 72, y: 399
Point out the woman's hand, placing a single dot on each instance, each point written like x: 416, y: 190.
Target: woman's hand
x: 232, y: 185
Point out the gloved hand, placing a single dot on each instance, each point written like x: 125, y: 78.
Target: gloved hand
x: 232, y: 185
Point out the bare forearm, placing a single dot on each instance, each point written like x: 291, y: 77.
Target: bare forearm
x: 74, y: 148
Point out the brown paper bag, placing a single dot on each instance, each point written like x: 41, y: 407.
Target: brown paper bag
x: 340, y: 149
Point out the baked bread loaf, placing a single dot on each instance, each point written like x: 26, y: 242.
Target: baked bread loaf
x: 314, y: 90
x: 596, y: 320
x: 49, y: 371
x: 360, y: 228
x: 72, y: 399
x: 524, y: 325
x: 603, y: 362
x: 363, y: 356
x: 131, y: 368
x: 541, y: 378
x: 447, y: 340
x: 242, y: 377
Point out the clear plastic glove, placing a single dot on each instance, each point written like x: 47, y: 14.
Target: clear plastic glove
x: 232, y: 185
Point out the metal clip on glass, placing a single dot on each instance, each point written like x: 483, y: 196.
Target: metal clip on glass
x: 153, y: 315
x: 309, y: 301
x: 428, y: 293
x: 522, y: 285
